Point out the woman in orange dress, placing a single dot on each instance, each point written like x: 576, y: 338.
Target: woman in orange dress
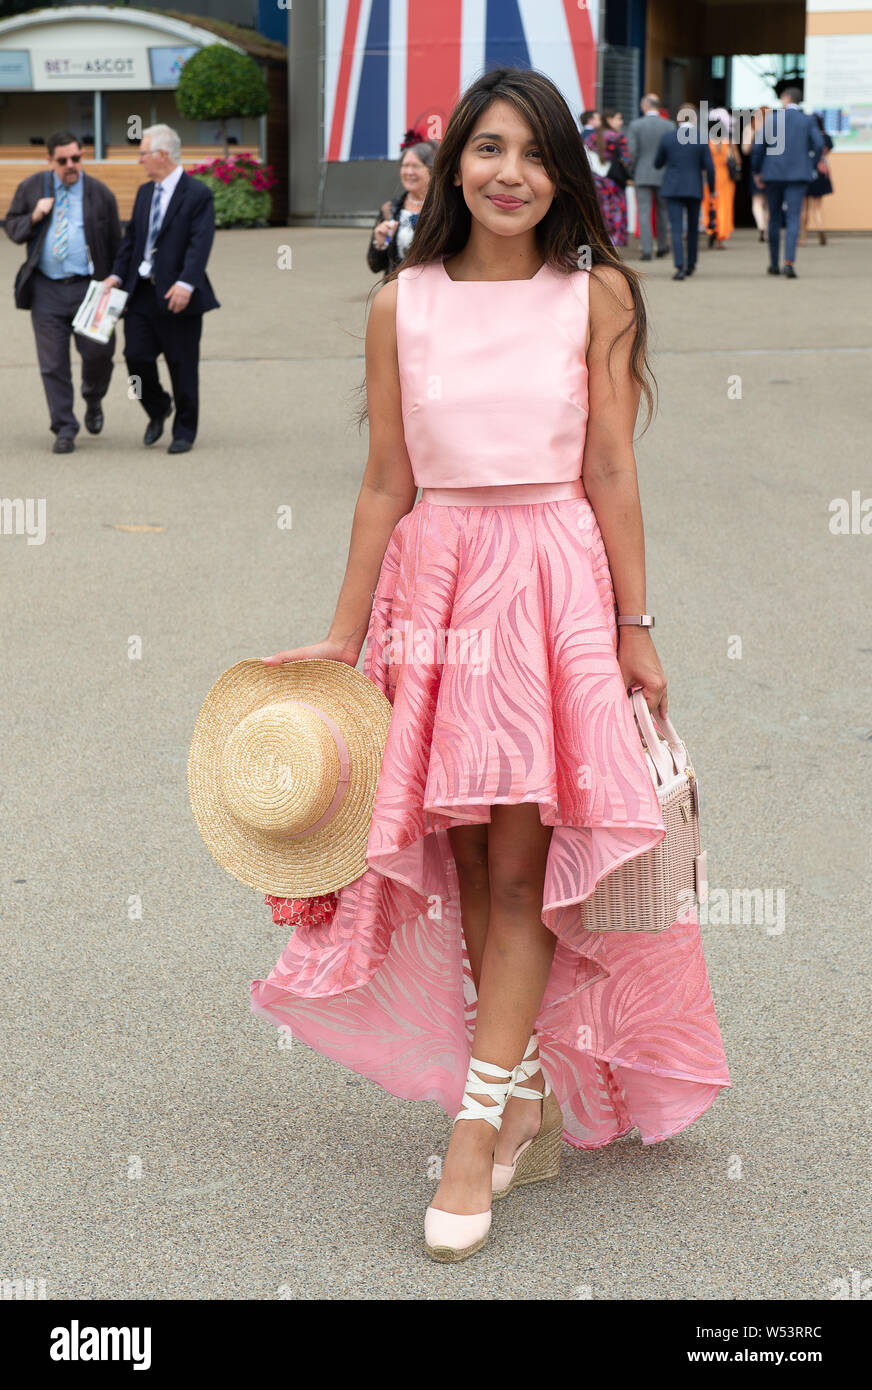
x: 717, y: 210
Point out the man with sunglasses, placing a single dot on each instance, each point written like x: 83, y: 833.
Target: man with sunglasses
x: 70, y: 223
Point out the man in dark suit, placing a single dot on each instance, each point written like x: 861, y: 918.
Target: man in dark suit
x: 686, y: 155
x: 162, y: 266
x: 784, y: 157
x: 69, y: 221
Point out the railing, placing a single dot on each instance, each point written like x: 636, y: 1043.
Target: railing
x: 120, y: 171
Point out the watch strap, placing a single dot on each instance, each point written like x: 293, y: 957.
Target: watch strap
x: 636, y: 620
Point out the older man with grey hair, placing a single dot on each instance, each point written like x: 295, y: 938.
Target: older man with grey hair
x: 643, y: 137
x: 162, y: 265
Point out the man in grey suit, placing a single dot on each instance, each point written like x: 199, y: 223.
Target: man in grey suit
x: 643, y: 137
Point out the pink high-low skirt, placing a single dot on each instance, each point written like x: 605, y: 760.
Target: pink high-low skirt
x: 493, y: 635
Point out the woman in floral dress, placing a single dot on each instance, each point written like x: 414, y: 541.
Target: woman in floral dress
x: 608, y: 144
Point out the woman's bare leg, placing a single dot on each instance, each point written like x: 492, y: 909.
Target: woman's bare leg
x: 521, y: 1118
x: 815, y: 214
x: 515, y: 965
x: 469, y: 847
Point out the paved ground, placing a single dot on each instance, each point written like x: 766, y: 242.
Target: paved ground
x: 268, y: 1173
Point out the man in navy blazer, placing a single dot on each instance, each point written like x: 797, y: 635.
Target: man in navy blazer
x: 162, y: 265
x: 784, y: 157
x: 687, y: 157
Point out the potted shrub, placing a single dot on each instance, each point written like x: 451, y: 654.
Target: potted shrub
x: 218, y: 84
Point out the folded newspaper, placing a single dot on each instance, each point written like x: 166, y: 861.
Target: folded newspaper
x: 99, y: 312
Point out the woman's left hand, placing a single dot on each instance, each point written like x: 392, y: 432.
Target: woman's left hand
x: 640, y: 665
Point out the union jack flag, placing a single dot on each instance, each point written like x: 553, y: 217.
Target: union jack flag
x: 396, y: 65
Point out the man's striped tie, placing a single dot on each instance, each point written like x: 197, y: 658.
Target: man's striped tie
x: 61, y: 224
x: 154, y: 222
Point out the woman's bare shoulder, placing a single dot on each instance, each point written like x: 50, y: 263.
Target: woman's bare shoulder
x: 386, y: 296
x: 609, y: 290
x: 384, y: 303
x: 382, y: 322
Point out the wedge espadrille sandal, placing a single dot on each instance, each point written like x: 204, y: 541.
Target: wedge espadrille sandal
x: 451, y: 1236
x: 538, y: 1158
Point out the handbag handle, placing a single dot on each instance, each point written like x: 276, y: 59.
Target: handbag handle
x: 670, y: 733
x: 649, y: 724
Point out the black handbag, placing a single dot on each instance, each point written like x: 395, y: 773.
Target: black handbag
x: 618, y: 173
x: 733, y: 169
x: 23, y: 283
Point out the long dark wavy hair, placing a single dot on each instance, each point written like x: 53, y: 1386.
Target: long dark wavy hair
x: 574, y: 222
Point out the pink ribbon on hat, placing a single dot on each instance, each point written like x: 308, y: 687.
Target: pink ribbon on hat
x: 344, y: 770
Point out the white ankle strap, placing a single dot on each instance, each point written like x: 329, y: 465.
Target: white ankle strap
x: 499, y: 1092
x: 527, y: 1068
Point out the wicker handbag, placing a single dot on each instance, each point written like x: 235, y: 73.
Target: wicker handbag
x: 653, y: 890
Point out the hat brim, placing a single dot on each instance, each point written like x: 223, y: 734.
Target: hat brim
x: 332, y: 856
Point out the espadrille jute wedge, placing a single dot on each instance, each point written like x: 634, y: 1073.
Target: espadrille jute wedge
x: 538, y: 1158
x: 451, y: 1236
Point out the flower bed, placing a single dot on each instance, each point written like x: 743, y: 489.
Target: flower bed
x: 240, y: 186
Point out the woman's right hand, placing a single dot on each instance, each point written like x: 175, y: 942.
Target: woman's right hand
x: 318, y: 651
x: 383, y: 231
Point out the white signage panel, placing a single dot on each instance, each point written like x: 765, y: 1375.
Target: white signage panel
x: 98, y: 68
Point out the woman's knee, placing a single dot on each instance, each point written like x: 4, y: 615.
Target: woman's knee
x: 469, y: 845
x: 516, y: 888
x: 518, y: 855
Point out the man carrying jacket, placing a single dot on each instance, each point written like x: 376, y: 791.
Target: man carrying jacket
x: 69, y: 221
x: 162, y: 266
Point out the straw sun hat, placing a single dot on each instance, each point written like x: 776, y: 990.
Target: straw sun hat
x: 283, y: 770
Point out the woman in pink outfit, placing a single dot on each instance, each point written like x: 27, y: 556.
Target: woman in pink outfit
x: 504, y: 365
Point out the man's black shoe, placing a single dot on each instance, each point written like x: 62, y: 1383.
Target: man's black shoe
x: 662, y: 253
x: 679, y: 275
x: 690, y: 270
x: 643, y: 257
x: 94, y: 419
x: 154, y: 429
x: 64, y: 444
x: 179, y: 446
x: 773, y: 270
x: 790, y: 272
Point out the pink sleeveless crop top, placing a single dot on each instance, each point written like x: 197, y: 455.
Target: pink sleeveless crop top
x: 493, y: 376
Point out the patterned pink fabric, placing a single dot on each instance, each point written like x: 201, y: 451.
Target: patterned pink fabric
x: 520, y: 699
